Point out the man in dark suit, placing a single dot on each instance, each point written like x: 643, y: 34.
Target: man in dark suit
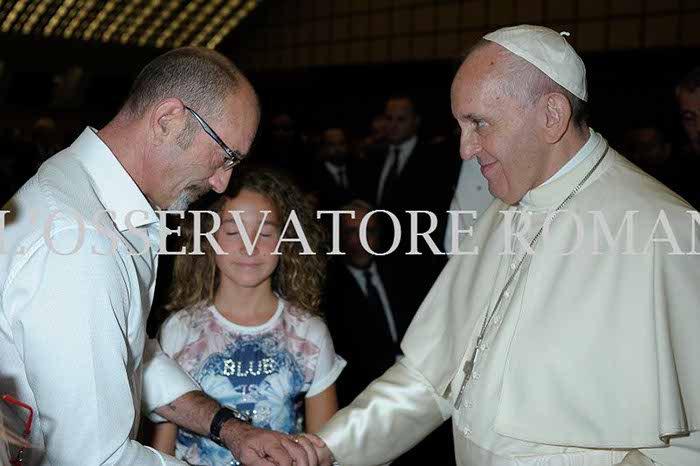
x: 333, y: 174
x: 414, y: 175
x: 361, y: 309
x: 367, y: 322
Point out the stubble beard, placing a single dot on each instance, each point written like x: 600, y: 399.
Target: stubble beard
x: 187, y: 197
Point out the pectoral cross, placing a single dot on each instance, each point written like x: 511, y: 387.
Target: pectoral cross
x: 467, y: 369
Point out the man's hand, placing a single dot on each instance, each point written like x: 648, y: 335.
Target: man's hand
x: 249, y: 445
x: 253, y: 446
x: 324, y: 455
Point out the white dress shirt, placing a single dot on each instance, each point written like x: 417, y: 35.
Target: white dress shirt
x: 359, y: 276
x: 73, y: 325
x: 405, y: 150
x: 339, y: 173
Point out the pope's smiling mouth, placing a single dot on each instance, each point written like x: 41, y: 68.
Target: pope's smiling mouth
x: 487, y: 168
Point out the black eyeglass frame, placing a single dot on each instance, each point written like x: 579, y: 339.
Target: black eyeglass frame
x: 231, y: 157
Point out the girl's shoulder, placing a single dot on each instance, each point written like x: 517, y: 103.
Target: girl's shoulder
x: 183, y: 326
x: 304, y: 322
x: 187, y: 317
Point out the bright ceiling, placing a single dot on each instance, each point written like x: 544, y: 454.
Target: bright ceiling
x: 154, y: 23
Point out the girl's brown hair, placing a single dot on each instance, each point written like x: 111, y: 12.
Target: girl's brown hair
x: 298, y: 278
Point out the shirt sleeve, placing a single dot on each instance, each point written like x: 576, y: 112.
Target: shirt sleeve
x: 400, y: 407
x: 329, y: 365
x: 69, y: 321
x: 163, y: 380
x: 173, y: 334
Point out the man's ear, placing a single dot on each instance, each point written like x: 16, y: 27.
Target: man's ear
x: 556, y: 112
x: 167, y: 120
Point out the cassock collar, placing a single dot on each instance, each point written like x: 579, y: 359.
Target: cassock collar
x: 553, y: 191
x: 115, y: 188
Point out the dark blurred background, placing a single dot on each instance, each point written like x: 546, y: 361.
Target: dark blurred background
x: 322, y: 61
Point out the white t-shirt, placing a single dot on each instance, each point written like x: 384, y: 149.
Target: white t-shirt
x: 263, y: 371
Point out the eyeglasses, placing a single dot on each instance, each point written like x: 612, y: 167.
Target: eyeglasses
x: 19, y: 458
x: 232, y: 157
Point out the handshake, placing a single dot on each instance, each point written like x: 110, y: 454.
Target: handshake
x: 253, y: 446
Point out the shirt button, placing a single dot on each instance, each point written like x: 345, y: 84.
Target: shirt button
x: 513, y: 266
x: 476, y: 375
x: 470, y: 404
x: 467, y: 431
x: 506, y: 294
x: 496, y: 319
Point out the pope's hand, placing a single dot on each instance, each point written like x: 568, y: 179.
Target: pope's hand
x: 253, y: 446
x: 325, y: 457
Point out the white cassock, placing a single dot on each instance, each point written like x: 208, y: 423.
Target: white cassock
x: 593, y: 358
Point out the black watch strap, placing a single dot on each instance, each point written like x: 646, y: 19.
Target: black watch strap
x: 222, y: 415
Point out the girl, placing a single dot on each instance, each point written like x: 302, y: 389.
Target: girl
x: 247, y: 325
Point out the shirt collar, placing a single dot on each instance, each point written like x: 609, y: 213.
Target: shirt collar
x: 115, y: 188
x: 333, y: 168
x: 359, y: 274
x: 580, y: 156
x: 405, y: 149
x: 407, y: 146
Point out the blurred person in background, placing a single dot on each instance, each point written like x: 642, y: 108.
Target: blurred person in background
x: 688, y: 98
x: 282, y: 147
x: 335, y: 170
x: 362, y: 311
x: 403, y: 180
x: 688, y: 95
x: 648, y: 147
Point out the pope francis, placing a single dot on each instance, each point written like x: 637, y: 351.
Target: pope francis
x: 543, y: 347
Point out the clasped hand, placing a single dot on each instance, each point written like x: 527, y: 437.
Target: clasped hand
x: 253, y: 446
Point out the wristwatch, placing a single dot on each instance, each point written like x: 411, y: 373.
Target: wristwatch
x: 222, y: 415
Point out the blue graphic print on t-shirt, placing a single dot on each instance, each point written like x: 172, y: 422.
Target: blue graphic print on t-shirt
x: 258, y: 376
